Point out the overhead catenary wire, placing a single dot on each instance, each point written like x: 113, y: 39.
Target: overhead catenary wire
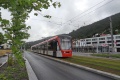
x: 82, y: 14
x: 71, y: 22
x: 48, y: 21
x: 99, y: 18
x: 86, y: 14
x: 87, y: 10
x: 94, y: 9
x: 50, y: 15
x: 77, y: 15
x: 51, y: 18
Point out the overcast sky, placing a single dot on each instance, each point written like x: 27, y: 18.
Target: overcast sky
x: 70, y: 16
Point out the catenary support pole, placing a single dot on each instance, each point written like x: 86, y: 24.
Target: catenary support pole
x: 111, y: 30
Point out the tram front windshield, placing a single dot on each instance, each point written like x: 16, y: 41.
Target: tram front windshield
x: 65, y: 43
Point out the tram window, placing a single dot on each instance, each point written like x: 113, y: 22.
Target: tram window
x: 65, y: 43
x: 52, y: 45
x: 55, y: 45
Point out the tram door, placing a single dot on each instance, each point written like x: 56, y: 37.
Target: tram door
x: 54, y: 48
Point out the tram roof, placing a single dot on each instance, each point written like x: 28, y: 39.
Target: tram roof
x: 39, y: 41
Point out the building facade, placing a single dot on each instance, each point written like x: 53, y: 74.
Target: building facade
x: 97, y: 44
x: 5, y: 46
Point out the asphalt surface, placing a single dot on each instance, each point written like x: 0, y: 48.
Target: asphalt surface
x: 46, y: 69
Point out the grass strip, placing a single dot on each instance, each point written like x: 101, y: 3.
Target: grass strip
x: 108, y: 65
x: 15, y: 72
x: 107, y: 55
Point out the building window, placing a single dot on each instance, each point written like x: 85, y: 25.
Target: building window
x: 117, y: 44
x: 82, y: 40
x: 102, y: 42
x: 108, y: 41
x: 110, y: 44
x: 117, y: 37
x: 109, y: 37
x: 94, y: 39
x: 88, y: 42
x: 117, y: 40
x: 94, y: 42
x: 88, y: 39
x: 101, y: 38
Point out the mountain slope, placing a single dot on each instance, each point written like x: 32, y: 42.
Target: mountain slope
x: 97, y: 27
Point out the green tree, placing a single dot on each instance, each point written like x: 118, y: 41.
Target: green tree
x: 1, y: 38
x: 16, y: 29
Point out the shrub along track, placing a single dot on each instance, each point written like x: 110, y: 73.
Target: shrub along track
x: 15, y: 72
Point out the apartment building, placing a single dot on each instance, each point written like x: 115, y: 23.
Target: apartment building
x: 102, y: 44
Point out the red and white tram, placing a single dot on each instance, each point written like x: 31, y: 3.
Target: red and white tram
x: 57, y: 46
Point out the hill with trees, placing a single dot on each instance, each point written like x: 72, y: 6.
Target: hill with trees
x: 99, y: 27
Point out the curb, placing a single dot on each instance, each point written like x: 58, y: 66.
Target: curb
x: 110, y: 75
x: 30, y: 71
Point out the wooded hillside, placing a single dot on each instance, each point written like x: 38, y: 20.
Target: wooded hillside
x: 102, y: 26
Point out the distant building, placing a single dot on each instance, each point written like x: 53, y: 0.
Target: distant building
x: 100, y: 44
x: 5, y: 46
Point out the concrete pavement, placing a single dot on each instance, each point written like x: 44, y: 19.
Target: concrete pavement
x: 3, y: 60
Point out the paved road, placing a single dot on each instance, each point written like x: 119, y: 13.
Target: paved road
x: 46, y: 69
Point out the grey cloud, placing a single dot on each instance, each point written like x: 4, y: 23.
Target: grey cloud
x: 6, y: 14
x: 42, y: 27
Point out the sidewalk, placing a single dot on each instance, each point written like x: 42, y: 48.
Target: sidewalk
x: 3, y: 59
